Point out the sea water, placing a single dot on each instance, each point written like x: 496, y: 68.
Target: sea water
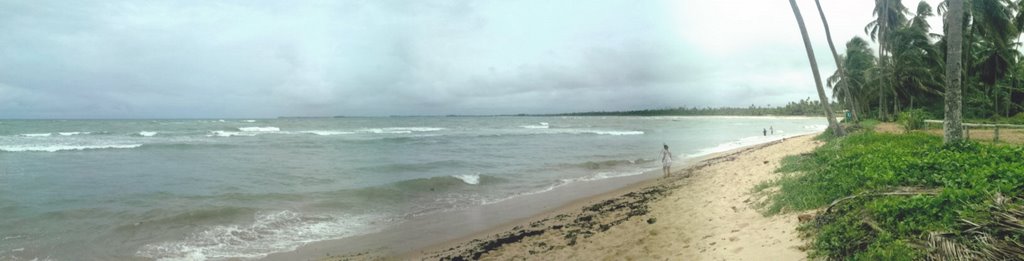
x: 245, y: 188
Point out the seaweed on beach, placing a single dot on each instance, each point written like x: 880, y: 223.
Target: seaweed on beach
x: 590, y: 220
x: 568, y: 228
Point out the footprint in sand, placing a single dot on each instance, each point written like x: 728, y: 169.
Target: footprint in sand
x: 734, y: 239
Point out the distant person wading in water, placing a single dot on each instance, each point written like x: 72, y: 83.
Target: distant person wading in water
x: 666, y: 161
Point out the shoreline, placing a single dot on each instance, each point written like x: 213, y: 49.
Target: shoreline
x: 406, y: 238
x: 567, y: 209
x: 619, y: 219
x: 406, y: 241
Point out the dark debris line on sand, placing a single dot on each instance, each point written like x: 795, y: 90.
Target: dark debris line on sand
x: 588, y: 221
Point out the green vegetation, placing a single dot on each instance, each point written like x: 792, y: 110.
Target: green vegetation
x: 908, y: 70
x: 869, y: 124
x: 932, y: 188
x: 913, y: 119
x: 806, y: 107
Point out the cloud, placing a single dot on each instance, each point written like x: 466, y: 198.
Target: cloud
x: 103, y: 59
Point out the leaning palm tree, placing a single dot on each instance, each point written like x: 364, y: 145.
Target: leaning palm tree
x: 839, y: 64
x: 836, y: 129
x: 913, y: 59
x: 951, y: 125
x: 858, y: 63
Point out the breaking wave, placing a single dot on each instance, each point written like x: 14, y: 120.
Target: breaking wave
x: 469, y: 179
x: 398, y: 130
x: 230, y: 134
x: 271, y: 232
x: 326, y: 132
x: 540, y: 125
x: 59, y: 147
x: 259, y: 129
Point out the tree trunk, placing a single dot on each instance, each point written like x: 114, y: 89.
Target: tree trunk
x: 952, y: 127
x: 895, y: 102
x: 995, y: 100
x: 884, y: 15
x: 839, y: 64
x: 836, y: 129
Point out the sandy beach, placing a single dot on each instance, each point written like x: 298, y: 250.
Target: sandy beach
x: 703, y: 212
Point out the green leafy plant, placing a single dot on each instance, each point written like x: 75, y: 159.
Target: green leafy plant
x: 913, y: 119
x: 870, y: 171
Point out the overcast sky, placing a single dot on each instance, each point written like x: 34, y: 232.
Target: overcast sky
x: 211, y: 59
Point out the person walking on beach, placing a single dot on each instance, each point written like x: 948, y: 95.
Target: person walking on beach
x: 764, y: 132
x: 666, y: 161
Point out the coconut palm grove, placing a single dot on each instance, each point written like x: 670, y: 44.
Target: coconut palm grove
x: 911, y: 194
x: 908, y: 69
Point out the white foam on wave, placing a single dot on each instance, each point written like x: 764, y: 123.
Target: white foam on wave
x: 36, y: 134
x: 271, y: 232
x: 599, y: 132
x: 325, y: 132
x: 748, y: 141
x: 399, y: 130
x: 73, y: 133
x: 147, y: 133
x: 617, y: 133
x: 469, y: 179
x: 230, y: 134
x: 259, y: 129
x: 535, y: 126
x: 754, y: 140
x: 608, y: 175
x: 540, y: 125
x: 63, y: 147
x: 249, y: 121
x: 534, y: 192
x: 563, y: 182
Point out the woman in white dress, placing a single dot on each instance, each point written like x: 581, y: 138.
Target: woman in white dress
x: 666, y: 161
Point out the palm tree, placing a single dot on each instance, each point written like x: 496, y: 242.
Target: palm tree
x: 858, y: 61
x: 951, y: 125
x: 836, y: 129
x: 890, y: 15
x: 992, y: 22
x: 989, y: 53
x: 913, y: 58
x: 839, y: 65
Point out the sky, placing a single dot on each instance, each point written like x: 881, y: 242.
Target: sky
x: 249, y: 59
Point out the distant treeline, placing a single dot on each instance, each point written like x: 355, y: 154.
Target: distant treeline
x: 805, y: 107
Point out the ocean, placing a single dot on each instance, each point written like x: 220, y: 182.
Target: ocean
x: 245, y: 188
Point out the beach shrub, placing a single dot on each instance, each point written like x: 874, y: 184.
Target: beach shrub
x: 955, y: 183
x: 913, y: 119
